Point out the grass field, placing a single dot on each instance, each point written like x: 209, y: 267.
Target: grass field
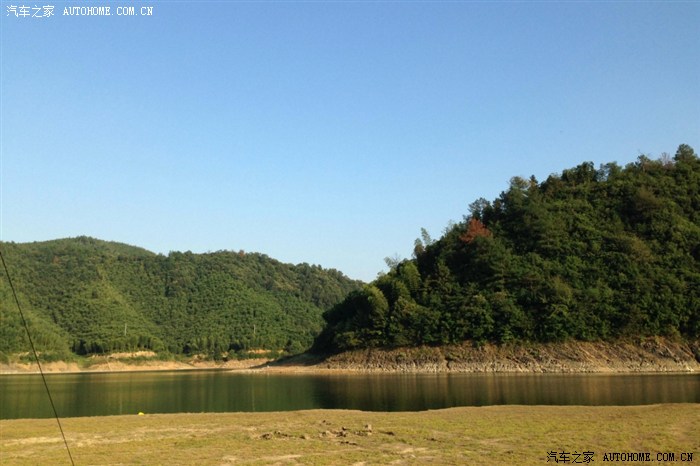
x: 471, y: 435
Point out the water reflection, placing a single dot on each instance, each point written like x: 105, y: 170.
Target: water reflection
x: 23, y: 396
x: 420, y: 391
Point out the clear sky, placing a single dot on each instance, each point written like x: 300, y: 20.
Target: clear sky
x: 323, y: 132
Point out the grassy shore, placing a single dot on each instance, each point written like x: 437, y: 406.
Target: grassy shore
x: 471, y: 435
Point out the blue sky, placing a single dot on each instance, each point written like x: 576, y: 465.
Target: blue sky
x: 321, y: 132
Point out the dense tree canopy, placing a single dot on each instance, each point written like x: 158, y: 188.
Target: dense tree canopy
x: 87, y: 296
x: 588, y: 254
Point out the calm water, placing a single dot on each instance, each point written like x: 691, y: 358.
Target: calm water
x: 23, y: 396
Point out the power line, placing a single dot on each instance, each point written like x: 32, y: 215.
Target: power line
x: 36, y: 356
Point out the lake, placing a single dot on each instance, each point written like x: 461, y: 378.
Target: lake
x: 99, y: 394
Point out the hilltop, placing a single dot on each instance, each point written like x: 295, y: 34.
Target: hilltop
x: 604, y: 254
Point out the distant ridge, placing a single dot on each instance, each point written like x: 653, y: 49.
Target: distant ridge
x: 87, y: 242
x: 85, y: 295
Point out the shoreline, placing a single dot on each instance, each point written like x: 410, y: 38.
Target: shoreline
x: 126, y: 365
x: 656, y: 355
x: 652, y: 355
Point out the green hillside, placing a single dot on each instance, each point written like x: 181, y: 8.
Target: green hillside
x: 589, y: 254
x: 85, y: 296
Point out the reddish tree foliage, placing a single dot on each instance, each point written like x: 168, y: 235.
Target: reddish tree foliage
x: 475, y: 229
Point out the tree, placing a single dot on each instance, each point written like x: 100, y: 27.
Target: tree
x: 475, y: 229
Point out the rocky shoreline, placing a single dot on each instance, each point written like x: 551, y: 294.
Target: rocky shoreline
x: 647, y: 355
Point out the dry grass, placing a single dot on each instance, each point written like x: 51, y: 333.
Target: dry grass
x: 472, y: 435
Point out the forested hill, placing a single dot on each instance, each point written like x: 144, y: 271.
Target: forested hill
x: 590, y: 254
x: 84, y: 295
